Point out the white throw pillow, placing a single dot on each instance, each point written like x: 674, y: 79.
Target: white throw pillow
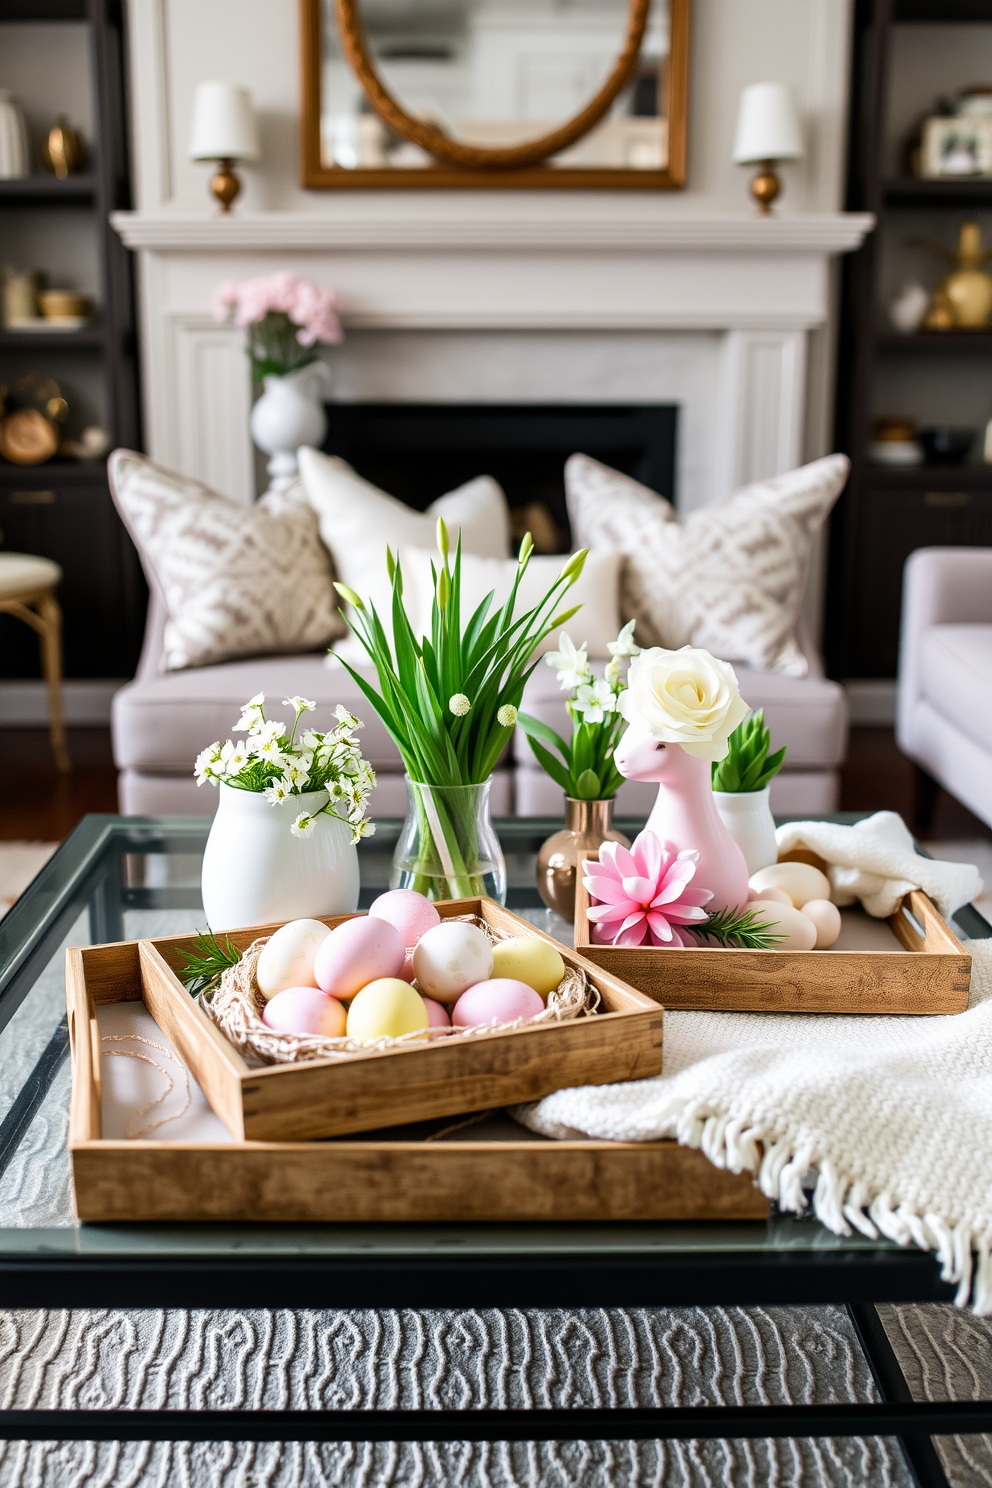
x: 597, y: 590
x: 729, y: 577
x: 236, y: 580
x: 358, y: 522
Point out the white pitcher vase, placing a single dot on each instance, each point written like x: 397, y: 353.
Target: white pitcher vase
x: 14, y: 154
x: 747, y: 815
x: 290, y: 413
x: 255, y: 872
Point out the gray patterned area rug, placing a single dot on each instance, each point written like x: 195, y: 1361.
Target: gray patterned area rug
x: 689, y: 1356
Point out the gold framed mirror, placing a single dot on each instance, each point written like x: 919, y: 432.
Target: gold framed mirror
x: 494, y: 93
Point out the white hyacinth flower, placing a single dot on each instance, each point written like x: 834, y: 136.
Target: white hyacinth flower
x: 594, y: 701
x: 206, y: 764
x: 459, y: 704
x: 613, y: 671
x: 348, y: 719
x: 252, y: 714
x: 571, y: 664
x: 299, y: 704
x: 507, y: 715
x: 267, y: 749
x: 624, y: 645
x: 302, y: 826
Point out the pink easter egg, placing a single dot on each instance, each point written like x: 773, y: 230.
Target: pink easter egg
x: 305, y: 1010
x: 409, y: 911
x: 357, y: 952
x: 500, y: 999
x: 437, y: 1013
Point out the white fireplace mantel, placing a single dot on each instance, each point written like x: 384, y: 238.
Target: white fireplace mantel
x: 602, y: 268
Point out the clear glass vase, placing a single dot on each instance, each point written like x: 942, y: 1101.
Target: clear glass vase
x: 448, y: 848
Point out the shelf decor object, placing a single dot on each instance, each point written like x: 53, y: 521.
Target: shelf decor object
x: 380, y: 1087
x: 13, y: 139
x: 224, y: 129
x: 768, y: 132
x: 62, y: 150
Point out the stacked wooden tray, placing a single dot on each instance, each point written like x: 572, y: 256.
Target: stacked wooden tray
x: 272, y: 1168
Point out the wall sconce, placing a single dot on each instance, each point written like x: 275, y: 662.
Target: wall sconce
x: 768, y: 131
x: 224, y: 129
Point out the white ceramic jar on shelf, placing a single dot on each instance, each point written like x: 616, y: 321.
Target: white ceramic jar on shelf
x: 14, y: 154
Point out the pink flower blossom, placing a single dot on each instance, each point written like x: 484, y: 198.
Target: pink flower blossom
x: 643, y: 892
x: 309, y: 306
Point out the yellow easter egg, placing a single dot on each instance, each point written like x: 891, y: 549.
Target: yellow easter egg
x: 386, y: 1008
x: 529, y: 960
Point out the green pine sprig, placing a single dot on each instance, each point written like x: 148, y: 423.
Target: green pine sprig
x: 747, y: 765
x: 739, y: 929
x: 206, y: 964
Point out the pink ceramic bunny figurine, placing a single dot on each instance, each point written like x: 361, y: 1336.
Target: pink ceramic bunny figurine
x: 685, y: 813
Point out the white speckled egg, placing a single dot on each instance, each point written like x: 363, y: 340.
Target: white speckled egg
x: 527, y: 958
x: 386, y: 1008
x: 801, y: 881
x: 305, y: 1010
x: 356, y: 953
x: 798, y: 933
x: 409, y: 911
x: 287, y: 958
x: 498, y: 1000
x: 826, y: 921
x: 449, y: 958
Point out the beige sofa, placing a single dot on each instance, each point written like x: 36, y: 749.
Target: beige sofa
x: 161, y: 722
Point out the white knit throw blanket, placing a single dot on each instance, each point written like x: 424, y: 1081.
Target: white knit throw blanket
x: 894, y: 1116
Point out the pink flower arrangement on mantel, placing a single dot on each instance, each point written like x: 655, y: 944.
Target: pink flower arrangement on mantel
x: 285, y: 318
x: 644, y: 893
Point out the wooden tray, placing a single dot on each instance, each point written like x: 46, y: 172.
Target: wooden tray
x: 930, y: 975
x: 494, y: 1171
x: 325, y: 1098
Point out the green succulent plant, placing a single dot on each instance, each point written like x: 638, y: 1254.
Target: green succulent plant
x: 747, y: 765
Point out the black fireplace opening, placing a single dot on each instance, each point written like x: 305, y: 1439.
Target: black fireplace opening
x: 418, y: 451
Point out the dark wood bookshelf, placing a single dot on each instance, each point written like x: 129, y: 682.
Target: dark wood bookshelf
x: 887, y: 512
x: 71, y: 517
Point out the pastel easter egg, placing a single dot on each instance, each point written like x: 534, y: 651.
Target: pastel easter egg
x: 437, y: 1014
x: 801, y: 881
x: 499, y: 999
x: 386, y: 1008
x: 798, y: 933
x: 287, y: 958
x: 305, y: 1010
x: 409, y: 911
x: 826, y: 920
x: 528, y: 959
x: 776, y: 896
x: 449, y: 958
x: 356, y: 953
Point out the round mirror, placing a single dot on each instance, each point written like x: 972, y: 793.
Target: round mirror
x: 495, y: 84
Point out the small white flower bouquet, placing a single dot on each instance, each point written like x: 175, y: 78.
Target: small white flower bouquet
x: 274, y: 762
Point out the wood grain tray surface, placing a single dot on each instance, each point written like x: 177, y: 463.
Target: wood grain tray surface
x: 926, y: 971
x: 448, y: 1170
x: 366, y: 1091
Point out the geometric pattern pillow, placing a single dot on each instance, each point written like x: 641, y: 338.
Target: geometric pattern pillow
x: 236, y: 580
x: 728, y: 577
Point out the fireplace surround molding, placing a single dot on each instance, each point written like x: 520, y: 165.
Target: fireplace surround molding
x: 731, y: 298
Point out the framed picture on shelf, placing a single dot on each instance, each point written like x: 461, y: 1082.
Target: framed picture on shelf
x: 957, y: 147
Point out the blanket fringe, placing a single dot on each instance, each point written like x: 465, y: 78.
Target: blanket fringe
x: 840, y: 1203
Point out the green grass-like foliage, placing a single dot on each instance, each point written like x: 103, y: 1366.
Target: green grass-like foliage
x: 449, y: 700
x: 207, y: 963
x: 736, y: 928
x: 747, y: 765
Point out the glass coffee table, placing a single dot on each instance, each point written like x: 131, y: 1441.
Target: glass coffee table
x: 120, y: 878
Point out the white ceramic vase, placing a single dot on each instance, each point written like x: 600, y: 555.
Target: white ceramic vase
x: 290, y: 413
x: 747, y: 815
x: 256, y: 872
x: 14, y: 157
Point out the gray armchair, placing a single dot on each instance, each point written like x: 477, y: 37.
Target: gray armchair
x: 944, y: 713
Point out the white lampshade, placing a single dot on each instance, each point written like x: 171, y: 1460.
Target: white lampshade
x: 224, y: 126
x: 767, y: 125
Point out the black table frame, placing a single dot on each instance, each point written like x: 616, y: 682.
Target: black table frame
x: 858, y: 1279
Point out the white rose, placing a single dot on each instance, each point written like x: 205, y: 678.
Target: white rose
x: 684, y: 697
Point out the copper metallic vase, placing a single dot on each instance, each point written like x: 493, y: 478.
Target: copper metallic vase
x: 587, y: 827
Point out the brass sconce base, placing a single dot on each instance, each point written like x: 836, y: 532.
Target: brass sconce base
x: 765, y: 187
x: 225, y: 185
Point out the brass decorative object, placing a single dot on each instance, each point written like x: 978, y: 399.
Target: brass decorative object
x: 588, y: 824
x: 225, y: 185
x: 765, y: 187
x: 467, y: 164
x: 62, y: 150
x: 28, y: 431
x: 967, y: 292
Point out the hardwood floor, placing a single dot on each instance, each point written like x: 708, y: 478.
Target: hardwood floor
x: 39, y: 805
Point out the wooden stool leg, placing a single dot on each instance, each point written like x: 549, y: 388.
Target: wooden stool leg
x: 51, y: 660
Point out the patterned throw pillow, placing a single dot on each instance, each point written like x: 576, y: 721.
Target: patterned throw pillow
x: 236, y: 580
x: 728, y: 577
